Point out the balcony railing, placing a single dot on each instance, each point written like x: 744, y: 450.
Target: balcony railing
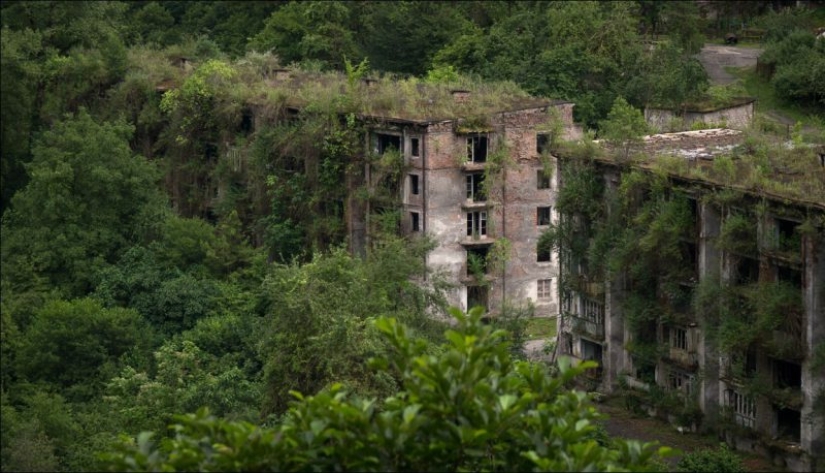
x: 585, y: 326
x: 686, y: 358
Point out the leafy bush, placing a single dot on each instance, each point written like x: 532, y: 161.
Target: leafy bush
x: 721, y: 460
x: 470, y: 408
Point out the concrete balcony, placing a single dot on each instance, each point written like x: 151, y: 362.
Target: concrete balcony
x: 590, y: 328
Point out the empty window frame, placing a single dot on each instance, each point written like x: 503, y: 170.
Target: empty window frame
x: 543, y: 253
x: 787, y: 374
x: 415, y: 221
x: 477, y: 260
x: 477, y: 296
x: 415, y: 147
x: 591, y: 351
x: 788, y: 424
x: 477, y: 148
x: 543, y: 216
x: 789, y: 240
x: 414, y: 187
x: 542, y: 180
x: 544, y: 289
x: 475, y: 187
x: 542, y: 142
x: 476, y: 224
x: 743, y: 408
x: 680, y: 381
x: 384, y: 143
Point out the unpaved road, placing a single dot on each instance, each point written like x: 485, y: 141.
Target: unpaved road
x: 715, y: 58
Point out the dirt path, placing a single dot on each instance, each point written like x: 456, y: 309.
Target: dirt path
x: 715, y: 58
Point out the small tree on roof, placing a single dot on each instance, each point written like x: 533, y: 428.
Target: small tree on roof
x: 625, y: 126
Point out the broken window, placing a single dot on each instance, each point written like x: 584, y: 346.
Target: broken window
x: 680, y: 381
x: 414, y: 147
x: 477, y: 148
x: 591, y: 351
x: 645, y: 372
x: 477, y: 260
x: 746, y: 271
x: 542, y: 253
x: 415, y: 221
x: 690, y: 259
x: 542, y: 180
x: 543, y: 289
x: 790, y: 276
x: 787, y: 374
x: 788, y: 424
x: 477, y: 297
x: 247, y: 120
x: 414, y: 190
x: 383, y: 143
x: 743, y: 408
x: 476, y: 224
x: 475, y: 187
x: 543, y: 216
x: 542, y: 143
x: 789, y: 239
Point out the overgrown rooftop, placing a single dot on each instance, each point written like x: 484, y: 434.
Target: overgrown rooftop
x: 755, y: 164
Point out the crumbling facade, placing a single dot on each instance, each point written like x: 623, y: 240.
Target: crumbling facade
x: 482, y: 190
x: 736, y: 329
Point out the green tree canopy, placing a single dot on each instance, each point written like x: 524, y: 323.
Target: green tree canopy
x: 89, y: 198
x: 471, y: 407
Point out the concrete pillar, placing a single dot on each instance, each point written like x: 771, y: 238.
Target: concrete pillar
x: 813, y: 379
x: 710, y: 266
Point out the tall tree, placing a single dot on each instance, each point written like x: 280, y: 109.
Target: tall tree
x: 88, y: 199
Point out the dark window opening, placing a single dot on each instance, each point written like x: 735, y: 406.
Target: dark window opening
x: 645, y: 372
x: 543, y: 253
x: 210, y: 151
x: 746, y: 271
x: 477, y: 260
x: 477, y: 148
x: 476, y: 224
x: 293, y: 165
x: 415, y: 221
x: 790, y: 276
x: 788, y: 424
x: 591, y: 351
x: 475, y: 187
x: 477, y: 297
x: 385, y: 143
x: 414, y: 190
x: 542, y: 180
x: 789, y: 239
x: 694, y: 218
x: 542, y: 143
x: 246, y: 121
x: 787, y: 374
x: 543, y: 216
x: 414, y: 144
x: 690, y: 260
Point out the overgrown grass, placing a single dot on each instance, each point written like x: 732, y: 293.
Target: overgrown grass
x: 768, y: 101
x: 540, y: 327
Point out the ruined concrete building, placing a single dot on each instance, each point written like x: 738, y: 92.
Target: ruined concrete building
x: 712, y: 312
x: 483, y: 192
x: 475, y: 175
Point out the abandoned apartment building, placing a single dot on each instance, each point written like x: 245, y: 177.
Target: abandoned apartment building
x: 768, y: 253
x: 479, y: 180
x: 476, y: 179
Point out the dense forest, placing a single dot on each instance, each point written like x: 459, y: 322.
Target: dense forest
x: 161, y: 255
